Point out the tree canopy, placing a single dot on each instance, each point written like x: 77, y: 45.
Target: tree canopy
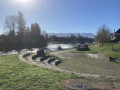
x: 20, y: 37
x: 103, y: 35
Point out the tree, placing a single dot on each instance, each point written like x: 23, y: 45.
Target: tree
x: 35, y: 35
x: 103, y: 35
x: 24, y: 38
x: 10, y: 24
x: 3, y: 42
x: 11, y: 40
x: 79, y: 36
x: 38, y: 40
x: 44, y: 33
x: 27, y: 38
x: 35, y: 30
x: 21, y: 30
x: 73, y: 39
x: 21, y: 24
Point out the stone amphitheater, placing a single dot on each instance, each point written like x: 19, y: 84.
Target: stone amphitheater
x: 45, y: 61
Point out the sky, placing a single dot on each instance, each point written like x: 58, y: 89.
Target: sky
x: 64, y: 16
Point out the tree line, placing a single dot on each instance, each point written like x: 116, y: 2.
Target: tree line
x: 19, y: 36
x: 70, y: 40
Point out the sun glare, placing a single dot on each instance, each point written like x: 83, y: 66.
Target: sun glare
x: 23, y: 1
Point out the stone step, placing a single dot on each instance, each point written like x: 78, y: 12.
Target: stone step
x: 26, y: 55
x: 54, y: 63
x: 44, y: 58
x: 51, y: 60
x: 57, y: 63
x: 29, y: 59
x: 39, y: 62
x: 44, y: 63
x: 34, y: 57
x: 22, y: 58
x: 47, y: 60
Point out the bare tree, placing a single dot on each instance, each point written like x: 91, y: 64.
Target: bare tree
x: 103, y: 35
x: 11, y: 22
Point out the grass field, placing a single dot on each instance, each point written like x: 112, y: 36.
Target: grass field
x: 105, y: 49
x: 80, y: 63
x: 91, y: 66
x: 94, y: 66
x: 77, y: 61
x: 17, y: 75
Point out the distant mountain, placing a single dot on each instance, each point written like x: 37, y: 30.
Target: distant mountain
x: 90, y: 35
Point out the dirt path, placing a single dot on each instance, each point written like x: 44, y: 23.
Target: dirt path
x: 67, y: 54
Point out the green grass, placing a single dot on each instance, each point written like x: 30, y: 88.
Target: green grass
x: 17, y: 75
x: 107, y: 49
x: 112, y: 79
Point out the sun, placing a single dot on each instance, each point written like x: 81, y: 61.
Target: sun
x: 23, y: 1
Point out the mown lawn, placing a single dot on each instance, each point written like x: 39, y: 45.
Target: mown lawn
x: 17, y: 75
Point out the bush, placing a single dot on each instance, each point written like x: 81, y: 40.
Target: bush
x: 84, y: 47
x: 59, y: 48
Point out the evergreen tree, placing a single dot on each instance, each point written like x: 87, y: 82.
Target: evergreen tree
x: 27, y: 38
x: 35, y: 35
x: 21, y: 30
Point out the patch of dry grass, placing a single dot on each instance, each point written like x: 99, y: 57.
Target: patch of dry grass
x: 91, y: 66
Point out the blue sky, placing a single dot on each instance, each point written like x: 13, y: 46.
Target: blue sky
x: 65, y: 16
